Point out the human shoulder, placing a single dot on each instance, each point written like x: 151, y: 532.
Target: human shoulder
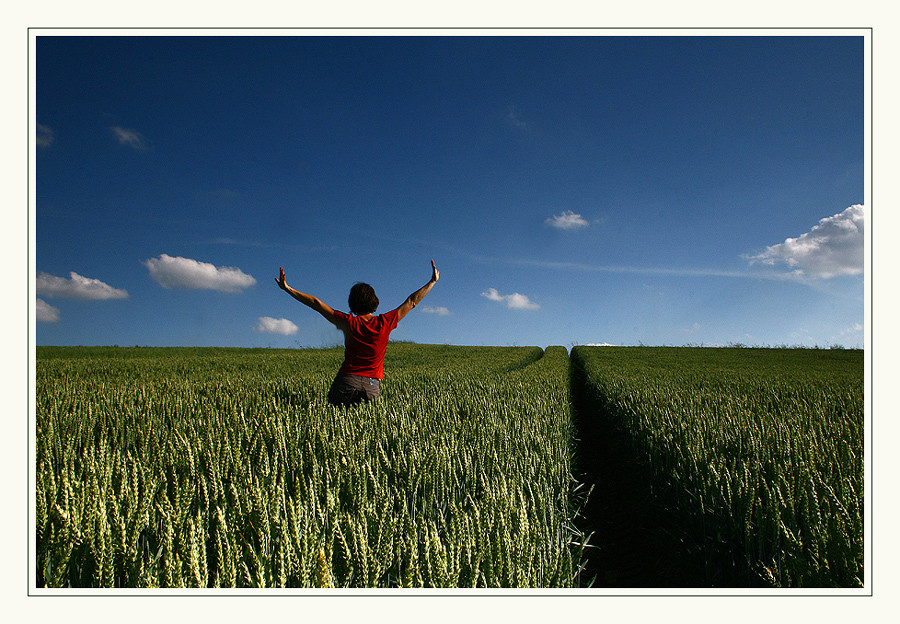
x: 341, y: 319
x: 391, y: 317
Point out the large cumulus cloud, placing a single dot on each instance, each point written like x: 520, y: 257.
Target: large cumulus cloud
x: 833, y: 247
x: 178, y: 272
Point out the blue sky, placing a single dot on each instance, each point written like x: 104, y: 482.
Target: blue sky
x: 572, y: 190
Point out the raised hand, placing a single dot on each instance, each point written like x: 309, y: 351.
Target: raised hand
x: 280, y: 279
x: 435, y: 274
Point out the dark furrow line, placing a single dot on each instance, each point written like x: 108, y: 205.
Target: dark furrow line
x: 633, y: 542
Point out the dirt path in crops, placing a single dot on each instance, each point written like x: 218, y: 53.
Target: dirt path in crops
x: 634, y: 543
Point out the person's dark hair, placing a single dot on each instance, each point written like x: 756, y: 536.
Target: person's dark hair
x: 362, y: 299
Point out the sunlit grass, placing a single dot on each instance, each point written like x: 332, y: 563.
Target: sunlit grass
x: 227, y: 468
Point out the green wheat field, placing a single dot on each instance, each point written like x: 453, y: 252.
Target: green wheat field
x: 222, y: 468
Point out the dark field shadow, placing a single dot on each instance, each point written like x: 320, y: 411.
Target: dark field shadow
x: 636, y: 541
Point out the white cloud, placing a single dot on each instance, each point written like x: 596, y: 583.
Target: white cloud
x: 131, y: 138
x: 180, y: 272
x: 835, y: 246
x: 77, y: 287
x: 599, y: 344
x: 440, y: 310
x: 282, y: 326
x: 45, y: 313
x: 568, y: 220
x: 857, y: 328
x: 513, y: 119
x: 515, y: 301
x: 44, y: 137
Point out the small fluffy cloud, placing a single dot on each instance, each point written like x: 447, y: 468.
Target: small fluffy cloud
x: 180, y: 272
x: 439, y: 310
x: 856, y: 329
x: 282, y: 326
x: 45, y: 313
x: 568, y: 220
x: 44, y: 136
x: 77, y: 287
x: 513, y: 119
x: 833, y: 247
x: 131, y: 138
x: 515, y: 301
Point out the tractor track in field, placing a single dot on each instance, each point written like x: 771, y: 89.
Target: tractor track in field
x: 634, y: 543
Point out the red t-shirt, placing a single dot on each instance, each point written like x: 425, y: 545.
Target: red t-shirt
x: 365, y: 343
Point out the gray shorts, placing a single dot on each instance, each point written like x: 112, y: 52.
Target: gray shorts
x: 349, y: 389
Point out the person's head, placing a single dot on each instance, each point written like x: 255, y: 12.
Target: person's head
x: 362, y: 299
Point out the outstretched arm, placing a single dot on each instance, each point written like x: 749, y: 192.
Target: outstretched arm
x: 414, y: 299
x: 313, y: 302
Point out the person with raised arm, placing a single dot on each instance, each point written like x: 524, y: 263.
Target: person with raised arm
x: 365, y: 336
